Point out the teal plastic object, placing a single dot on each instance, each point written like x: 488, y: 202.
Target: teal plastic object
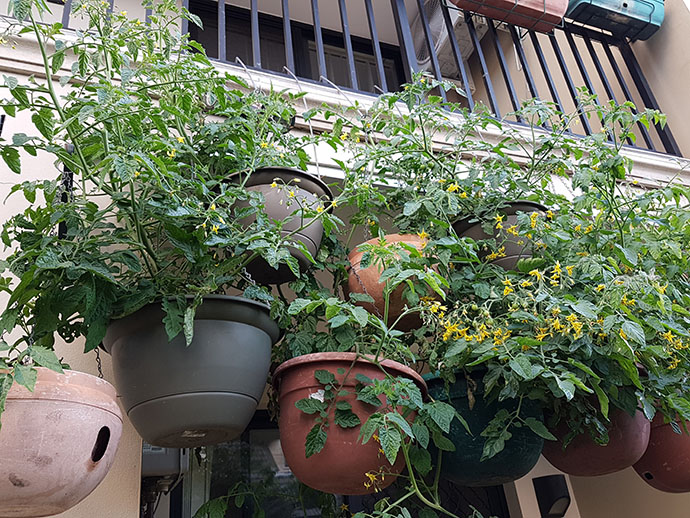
x: 633, y: 19
x: 463, y: 466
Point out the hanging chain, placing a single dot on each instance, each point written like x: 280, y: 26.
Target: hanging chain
x: 248, y: 276
x: 98, y: 362
x: 364, y: 288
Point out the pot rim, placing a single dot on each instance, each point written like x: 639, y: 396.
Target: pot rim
x: 288, y: 171
x: 265, y: 308
x: 347, y: 356
x: 463, y: 224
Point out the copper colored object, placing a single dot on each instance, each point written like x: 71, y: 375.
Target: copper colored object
x: 57, y: 443
x: 341, y: 466
x: 628, y: 439
x: 666, y: 463
x: 367, y: 281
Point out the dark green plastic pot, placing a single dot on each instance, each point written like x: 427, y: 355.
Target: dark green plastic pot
x: 180, y: 396
x: 463, y: 466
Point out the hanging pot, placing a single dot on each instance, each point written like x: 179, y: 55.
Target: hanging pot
x: 294, y: 189
x: 537, y: 15
x: 57, y: 443
x: 583, y: 457
x: 514, y: 251
x: 367, y: 281
x: 341, y: 466
x: 464, y: 465
x: 180, y: 396
x: 666, y: 463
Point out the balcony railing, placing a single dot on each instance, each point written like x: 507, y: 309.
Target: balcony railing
x: 367, y: 46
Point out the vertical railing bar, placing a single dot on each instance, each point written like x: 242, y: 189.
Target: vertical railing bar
x: 523, y: 62
x: 318, y: 37
x: 430, y: 45
x: 348, y: 44
x: 504, y: 67
x: 583, y: 71
x: 602, y: 74
x: 457, y: 54
x: 185, y: 22
x: 376, y: 45
x: 402, y: 26
x: 222, y: 55
x: 66, y: 11
x: 545, y: 70
x: 485, y: 71
x: 626, y: 92
x: 569, y: 82
x: 111, y: 6
x: 256, y: 37
x: 149, y: 12
x: 287, y: 37
x: 648, y: 98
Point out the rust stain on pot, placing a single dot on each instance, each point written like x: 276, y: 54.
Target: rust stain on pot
x: 17, y: 482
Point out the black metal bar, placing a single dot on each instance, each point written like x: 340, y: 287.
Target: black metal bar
x: 66, y: 11
x: 347, y: 39
x: 626, y: 91
x: 402, y: 25
x: 185, y: 22
x: 222, y: 54
x: 318, y: 37
x: 523, y: 62
x: 545, y: 70
x: 648, y: 98
x: 430, y: 45
x: 256, y: 37
x: 287, y: 37
x: 569, y: 82
x: 457, y: 54
x: 504, y: 67
x: 376, y: 45
x: 485, y: 71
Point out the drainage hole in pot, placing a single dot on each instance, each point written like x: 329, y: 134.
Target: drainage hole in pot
x: 648, y: 475
x: 101, y: 445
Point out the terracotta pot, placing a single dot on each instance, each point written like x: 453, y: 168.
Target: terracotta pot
x: 57, y: 443
x: 628, y: 439
x: 537, y: 15
x: 309, y: 191
x: 464, y: 466
x: 180, y: 396
x: 513, y: 250
x: 341, y: 467
x: 666, y: 463
x: 367, y: 281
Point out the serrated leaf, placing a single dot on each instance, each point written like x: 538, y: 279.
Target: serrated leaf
x: 310, y: 405
x: 316, y: 440
x: 391, y: 441
x: 399, y: 420
x: 189, y: 314
x: 420, y: 458
x: 442, y: 414
x: 45, y: 358
x: 538, y: 427
x: 634, y: 331
x: 324, y: 377
x: 346, y: 418
x: 25, y: 375
x: 343, y: 405
x: 421, y: 433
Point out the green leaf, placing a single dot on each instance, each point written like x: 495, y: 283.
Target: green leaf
x: 11, y: 158
x: 442, y: 414
x: 173, y: 316
x: 390, y: 440
x: 346, y: 418
x: 316, y: 440
x: 369, y: 428
x: 586, y: 309
x: 442, y: 442
x: 394, y: 417
x: 538, y: 427
x: 583, y: 368
x: 421, y: 433
x: 567, y: 386
x: 420, y: 459
x: 189, y: 314
x: 45, y: 358
x: 361, y: 315
x: 634, y: 332
x: 310, y: 405
x: 6, y: 381
x: 324, y: 377
x: 25, y: 375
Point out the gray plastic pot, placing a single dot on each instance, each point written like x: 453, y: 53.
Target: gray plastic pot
x: 470, y: 227
x: 309, y: 191
x: 180, y: 396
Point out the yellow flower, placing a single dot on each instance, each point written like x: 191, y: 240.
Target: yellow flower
x: 549, y: 214
x: 571, y: 318
x: 263, y: 145
x: 442, y: 180
x: 291, y: 194
x: 533, y: 219
x: 589, y: 229
x: 343, y: 137
x: 454, y: 187
x: 570, y: 269
x: 577, y: 327
x: 171, y: 153
x: 499, y: 225
x: 319, y: 209
x: 627, y: 302
x: 344, y: 507
x: 423, y: 235
x: 662, y: 289
x: 180, y: 139
x: 557, y: 268
x: 123, y: 13
x: 556, y: 311
x: 512, y: 230
x: 274, y: 184
x: 542, y: 332
x: 463, y: 195
x: 578, y: 228
x: 507, y: 291
x: 582, y: 254
x: 213, y: 206
x: 214, y: 229
x: 498, y: 218
x: 668, y: 336
x: 334, y: 203
x: 137, y: 174
x: 537, y: 274
x: 526, y: 284
x: 507, y: 282
x: 622, y: 334
x: 601, y: 287
x: 282, y: 155
x: 495, y: 255
x: 371, y: 477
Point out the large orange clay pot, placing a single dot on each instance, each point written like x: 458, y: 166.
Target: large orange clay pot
x: 628, y: 439
x: 666, y: 463
x: 57, y: 443
x: 367, y: 281
x: 341, y: 466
